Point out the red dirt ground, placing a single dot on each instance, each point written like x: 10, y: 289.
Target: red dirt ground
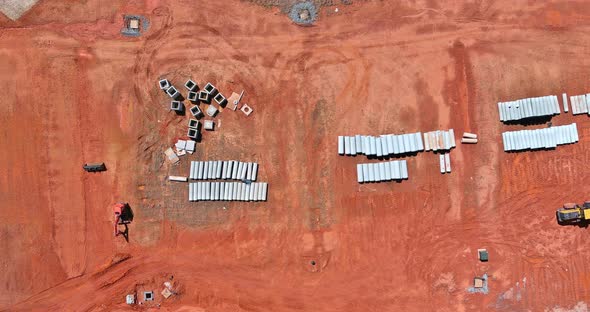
x: 76, y: 91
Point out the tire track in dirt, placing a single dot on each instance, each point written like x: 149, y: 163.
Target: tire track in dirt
x: 318, y: 109
x: 26, y: 231
x: 63, y: 172
x: 555, y: 247
x: 460, y: 98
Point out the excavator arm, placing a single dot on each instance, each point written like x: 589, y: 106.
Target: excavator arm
x: 118, y: 210
x: 116, y: 224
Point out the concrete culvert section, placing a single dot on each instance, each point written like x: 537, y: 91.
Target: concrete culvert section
x: 303, y: 13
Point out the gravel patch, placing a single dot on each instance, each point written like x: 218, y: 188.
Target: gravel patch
x: 303, y: 13
x: 14, y: 9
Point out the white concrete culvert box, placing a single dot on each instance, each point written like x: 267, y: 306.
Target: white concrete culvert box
x: 209, y: 125
x: 190, y: 85
x: 164, y: 84
x: 212, y: 110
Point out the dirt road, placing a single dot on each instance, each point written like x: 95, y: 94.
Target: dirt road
x: 77, y: 91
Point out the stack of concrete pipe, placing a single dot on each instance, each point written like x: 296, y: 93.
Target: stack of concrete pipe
x: 580, y: 104
x: 439, y: 140
x: 564, y: 99
x: 530, y: 107
x: 227, y: 191
x: 384, y: 145
x: 540, y: 138
x: 445, y: 163
x: 469, y: 138
x: 223, y: 169
x: 383, y: 171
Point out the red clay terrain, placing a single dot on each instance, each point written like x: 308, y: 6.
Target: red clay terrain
x: 75, y: 91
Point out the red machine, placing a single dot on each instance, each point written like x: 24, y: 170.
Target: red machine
x: 123, y: 215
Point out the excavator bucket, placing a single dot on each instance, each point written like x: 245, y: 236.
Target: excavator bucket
x: 95, y: 167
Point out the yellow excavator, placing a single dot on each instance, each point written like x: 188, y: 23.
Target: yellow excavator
x: 574, y: 213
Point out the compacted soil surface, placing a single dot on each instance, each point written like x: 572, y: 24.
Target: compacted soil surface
x: 75, y: 90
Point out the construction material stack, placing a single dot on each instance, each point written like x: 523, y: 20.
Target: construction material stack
x: 439, y: 140
x: 246, y: 190
x: 227, y: 191
x: 540, y: 138
x: 223, y: 169
x: 529, y: 107
x: 445, y: 162
x: 580, y: 104
x: 380, y: 146
x: 469, y: 138
x: 564, y: 99
x: 383, y: 171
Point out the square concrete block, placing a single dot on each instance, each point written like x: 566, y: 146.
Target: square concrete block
x: 209, y: 88
x: 209, y: 125
x: 203, y: 96
x: 172, y: 92
x: 191, y: 85
x: 220, y: 99
x: 193, y: 96
x: 190, y: 146
x: 483, y: 255
x: 211, y: 91
x: 193, y: 123
x: 177, y: 106
x: 196, y: 111
x: 164, y: 84
x: 180, y: 144
x: 478, y: 282
x: 148, y: 295
x: 130, y: 299
x: 212, y: 111
x: 246, y: 109
x: 134, y: 24
x: 193, y: 133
